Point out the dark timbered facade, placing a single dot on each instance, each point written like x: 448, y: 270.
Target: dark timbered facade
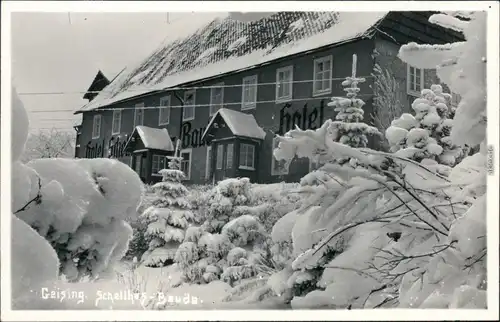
x: 226, y: 91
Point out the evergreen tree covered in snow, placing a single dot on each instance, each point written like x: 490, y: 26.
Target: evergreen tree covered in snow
x: 401, y: 234
x: 425, y: 137
x: 169, y: 216
x: 202, y: 255
x: 348, y: 127
x: 223, y: 201
x: 461, y: 269
x: 249, y: 254
x: 393, y: 204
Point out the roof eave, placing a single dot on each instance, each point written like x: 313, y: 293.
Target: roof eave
x: 367, y: 35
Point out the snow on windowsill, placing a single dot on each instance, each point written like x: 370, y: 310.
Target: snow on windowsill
x: 242, y: 167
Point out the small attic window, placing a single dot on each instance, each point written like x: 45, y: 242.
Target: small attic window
x: 237, y: 44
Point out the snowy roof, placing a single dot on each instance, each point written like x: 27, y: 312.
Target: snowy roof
x: 240, y: 124
x: 153, y: 138
x: 226, y: 45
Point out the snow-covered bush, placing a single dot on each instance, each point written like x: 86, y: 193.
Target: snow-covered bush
x: 139, y: 243
x: 223, y: 200
x: 250, y: 250
x: 425, y: 137
x: 76, y: 210
x: 269, y: 205
x: 168, y: 217
x: 203, y: 256
x: 80, y: 207
x: 199, y: 198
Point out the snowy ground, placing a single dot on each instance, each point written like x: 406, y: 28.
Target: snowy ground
x: 186, y: 296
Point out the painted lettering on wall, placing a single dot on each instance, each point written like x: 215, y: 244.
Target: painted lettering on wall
x: 94, y: 149
x: 192, y: 138
x: 112, y: 148
x: 117, y: 146
x: 305, y: 118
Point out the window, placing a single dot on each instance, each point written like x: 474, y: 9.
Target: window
x: 208, y: 163
x: 216, y: 98
x: 322, y: 76
x: 96, y: 126
x: 164, y: 111
x: 189, y: 102
x: 158, y: 164
x: 284, y: 83
x: 220, y: 155
x: 117, y: 121
x: 186, y: 163
x: 414, y: 81
x: 229, y: 156
x: 139, y: 114
x: 278, y: 168
x: 247, y: 153
x: 249, y: 93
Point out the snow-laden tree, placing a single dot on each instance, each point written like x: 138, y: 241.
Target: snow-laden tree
x: 462, y: 67
x: 224, y: 199
x: 425, y: 136
x: 354, y: 218
x: 461, y: 269
x: 387, y: 97
x: 34, y: 262
x: 250, y: 254
x: 53, y: 143
x: 68, y: 216
x: 202, y: 255
x: 348, y: 127
x: 400, y: 234
x: 169, y: 216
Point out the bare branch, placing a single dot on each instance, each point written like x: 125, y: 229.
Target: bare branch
x: 37, y: 199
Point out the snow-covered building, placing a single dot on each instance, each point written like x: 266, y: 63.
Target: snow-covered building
x: 226, y: 90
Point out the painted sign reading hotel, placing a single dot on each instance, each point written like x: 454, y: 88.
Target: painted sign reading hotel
x: 306, y: 118
x: 100, y: 149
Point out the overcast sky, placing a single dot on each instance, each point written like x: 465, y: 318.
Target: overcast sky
x: 58, y: 52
